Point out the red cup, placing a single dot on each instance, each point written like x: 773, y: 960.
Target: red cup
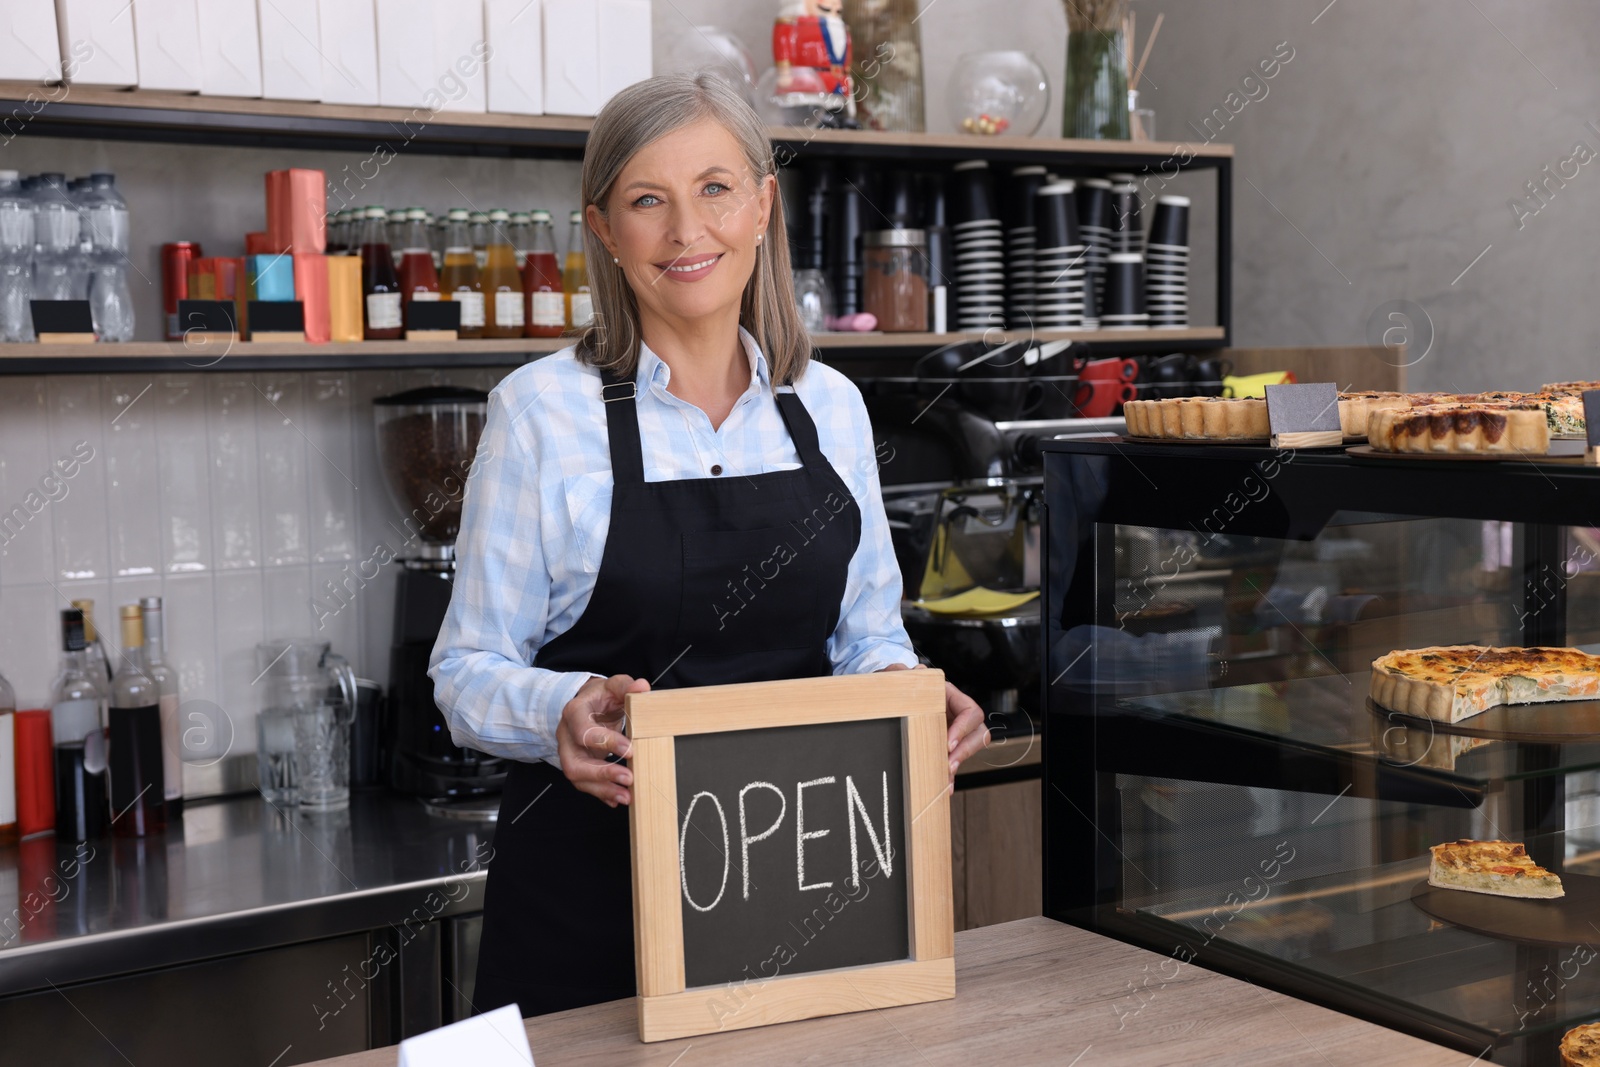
x: 36, y: 775
x: 1095, y: 398
x: 1125, y: 370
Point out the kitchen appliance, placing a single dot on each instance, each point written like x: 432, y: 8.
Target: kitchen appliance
x: 427, y: 441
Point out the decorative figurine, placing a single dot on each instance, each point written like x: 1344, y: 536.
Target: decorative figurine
x: 811, y: 47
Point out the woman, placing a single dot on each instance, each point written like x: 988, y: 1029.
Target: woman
x: 627, y: 488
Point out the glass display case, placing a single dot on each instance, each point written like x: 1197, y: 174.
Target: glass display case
x: 1219, y: 788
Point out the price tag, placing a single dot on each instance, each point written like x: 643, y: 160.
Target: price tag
x: 494, y: 1039
x: 1304, y: 415
x: 1591, y: 426
x: 433, y: 320
x: 62, y: 321
x: 276, y: 320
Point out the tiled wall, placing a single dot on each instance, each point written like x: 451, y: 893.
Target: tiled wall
x: 233, y: 496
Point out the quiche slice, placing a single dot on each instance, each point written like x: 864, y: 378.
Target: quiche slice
x: 1580, y: 1046
x: 1356, y: 408
x: 1449, y: 683
x: 1498, y: 868
x: 1475, y: 428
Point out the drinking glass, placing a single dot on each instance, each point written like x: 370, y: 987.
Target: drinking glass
x: 322, y: 755
x: 275, y: 755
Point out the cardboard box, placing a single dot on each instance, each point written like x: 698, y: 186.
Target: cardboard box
x: 311, y: 289
x: 297, y: 211
x: 624, y: 26
x: 30, y: 50
x: 459, y: 52
x: 348, y: 30
x: 571, y: 57
x: 270, y: 277
x: 166, y: 35
x: 96, y: 42
x: 345, y: 321
x: 514, y: 32
x: 230, y: 48
x: 405, y: 53
x: 291, y: 65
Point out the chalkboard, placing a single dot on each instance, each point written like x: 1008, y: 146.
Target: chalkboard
x: 792, y: 846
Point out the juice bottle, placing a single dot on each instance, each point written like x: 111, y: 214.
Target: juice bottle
x: 459, y: 279
x: 378, y: 282
x: 547, y: 301
x: 418, y: 279
x: 521, y: 234
x: 575, y: 276
x: 502, y: 282
x: 478, y: 229
x: 397, y: 233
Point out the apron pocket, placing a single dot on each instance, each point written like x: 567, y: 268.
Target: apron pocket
x: 750, y: 590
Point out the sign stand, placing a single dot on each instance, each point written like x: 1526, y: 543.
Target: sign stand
x: 1591, y: 425
x: 1304, y: 416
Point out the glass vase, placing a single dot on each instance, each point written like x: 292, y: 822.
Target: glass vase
x: 1095, y: 101
x: 886, y: 46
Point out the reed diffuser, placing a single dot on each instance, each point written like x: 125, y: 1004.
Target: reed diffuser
x: 1095, y: 104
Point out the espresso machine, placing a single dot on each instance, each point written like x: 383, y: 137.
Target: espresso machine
x: 427, y: 440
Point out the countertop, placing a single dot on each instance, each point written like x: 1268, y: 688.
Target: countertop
x: 1030, y: 991
x: 234, y: 875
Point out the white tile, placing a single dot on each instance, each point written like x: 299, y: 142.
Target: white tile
x: 287, y: 596
x: 330, y: 467
x: 240, y: 625
x: 341, y: 628
x: 192, y: 627
x: 235, y: 481
x: 180, y: 402
x: 376, y: 608
x: 133, y: 476
x: 77, y: 427
x: 30, y: 636
x: 281, y: 441
x: 28, y: 484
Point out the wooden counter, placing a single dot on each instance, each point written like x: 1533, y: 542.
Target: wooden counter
x: 1030, y: 991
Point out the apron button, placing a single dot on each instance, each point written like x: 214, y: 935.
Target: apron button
x: 716, y: 468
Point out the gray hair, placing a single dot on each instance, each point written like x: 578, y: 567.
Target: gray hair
x: 637, y: 116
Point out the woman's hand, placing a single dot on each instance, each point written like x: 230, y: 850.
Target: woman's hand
x: 965, y: 718
x: 589, y: 731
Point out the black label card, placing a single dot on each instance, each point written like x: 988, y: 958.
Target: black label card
x: 273, y: 316
x: 207, y: 316
x: 61, y: 316
x: 434, y: 315
x: 1591, y: 416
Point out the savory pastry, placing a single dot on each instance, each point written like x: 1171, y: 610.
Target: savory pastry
x: 1356, y: 408
x: 1199, y: 418
x: 1477, y: 428
x: 1449, y: 683
x: 1498, y: 868
x: 1580, y: 1046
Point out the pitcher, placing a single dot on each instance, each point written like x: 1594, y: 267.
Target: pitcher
x: 308, y: 695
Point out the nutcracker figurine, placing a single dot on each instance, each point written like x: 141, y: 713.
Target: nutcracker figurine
x: 811, y: 47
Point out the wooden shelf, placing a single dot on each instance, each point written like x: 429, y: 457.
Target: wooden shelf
x: 189, y: 118
x: 1141, y: 338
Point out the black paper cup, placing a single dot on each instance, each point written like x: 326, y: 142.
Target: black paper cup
x: 1016, y: 206
x: 1170, y: 224
x: 1125, y: 215
x: 1057, y: 216
x: 974, y: 191
x: 1094, y: 203
x: 1124, y: 293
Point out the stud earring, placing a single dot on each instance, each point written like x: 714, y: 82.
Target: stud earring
x: 759, y: 236
x: 614, y: 259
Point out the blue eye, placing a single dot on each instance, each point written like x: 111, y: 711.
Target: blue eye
x: 715, y: 185
x: 641, y: 201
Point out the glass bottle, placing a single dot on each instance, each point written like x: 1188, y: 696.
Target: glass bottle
x: 521, y: 235
x: 502, y: 282
x: 478, y: 229
x: 459, y: 280
x: 397, y: 233
x: 541, y: 271
x: 96, y: 656
x: 8, y: 763
x: 105, y: 215
x: 418, y: 278
x: 167, y: 679
x: 437, y: 228
x: 378, y: 282
x: 16, y: 259
x: 575, y: 276
x: 77, y: 728
x: 137, y: 785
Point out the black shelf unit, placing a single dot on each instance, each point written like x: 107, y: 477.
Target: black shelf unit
x: 170, y: 118
x: 1103, y: 747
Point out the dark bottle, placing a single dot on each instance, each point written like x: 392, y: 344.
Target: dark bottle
x: 379, y: 285
x: 138, y: 785
x: 78, y: 732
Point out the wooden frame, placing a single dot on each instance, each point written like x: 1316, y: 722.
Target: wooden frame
x: 917, y: 698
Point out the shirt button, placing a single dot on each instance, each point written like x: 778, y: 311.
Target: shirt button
x: 716, y: 468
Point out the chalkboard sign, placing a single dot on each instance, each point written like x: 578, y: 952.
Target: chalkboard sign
x: 791, y: 850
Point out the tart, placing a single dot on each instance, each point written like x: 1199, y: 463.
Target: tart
x: 1476, y: 428
x: 1497, y: 868
x: 1580, y: 1046
x: 1449, y: 683
x: 1198, y: 418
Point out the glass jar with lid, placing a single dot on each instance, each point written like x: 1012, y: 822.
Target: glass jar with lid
x: 895, y: 286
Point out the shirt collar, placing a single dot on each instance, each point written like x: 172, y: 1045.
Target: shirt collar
x: 653, y: 372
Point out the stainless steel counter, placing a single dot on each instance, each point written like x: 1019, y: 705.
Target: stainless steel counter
x: 233, y: 876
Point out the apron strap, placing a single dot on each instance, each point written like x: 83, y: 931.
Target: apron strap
x: 802, y: 430
x: 622, y: 428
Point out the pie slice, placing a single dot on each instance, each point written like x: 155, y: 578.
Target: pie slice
x: 1498, y: 868
x: 1580, y: 1046
x: 1449, y: 683
x: 1474, y: 428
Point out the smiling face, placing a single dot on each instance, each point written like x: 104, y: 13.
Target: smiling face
x: 683, y: 218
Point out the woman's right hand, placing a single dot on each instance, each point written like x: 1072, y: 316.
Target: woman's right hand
x: 589, y: 732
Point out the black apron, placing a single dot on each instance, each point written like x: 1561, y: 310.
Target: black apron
x: 704, y: 581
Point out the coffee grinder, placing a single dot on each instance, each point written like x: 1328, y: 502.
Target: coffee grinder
x: 427, y: 440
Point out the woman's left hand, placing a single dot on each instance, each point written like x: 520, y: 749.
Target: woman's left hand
x: 965, y: 718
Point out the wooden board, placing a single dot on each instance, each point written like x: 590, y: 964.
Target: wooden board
x: 1559, y: 453
x: 1552, y: 723
x: 1568, y: 920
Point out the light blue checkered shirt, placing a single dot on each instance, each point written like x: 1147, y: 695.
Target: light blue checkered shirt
x: 538, y: 507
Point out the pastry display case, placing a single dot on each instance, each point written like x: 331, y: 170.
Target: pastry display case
x: 1219, y: 786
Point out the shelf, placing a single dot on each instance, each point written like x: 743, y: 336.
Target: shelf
x: 183, y: 118
x: 174, y: 356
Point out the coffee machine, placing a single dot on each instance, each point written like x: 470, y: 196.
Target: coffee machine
x: 427, y: 440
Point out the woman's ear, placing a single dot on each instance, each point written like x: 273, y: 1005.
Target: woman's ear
x: 769, y: 189
x: 600, y: 225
